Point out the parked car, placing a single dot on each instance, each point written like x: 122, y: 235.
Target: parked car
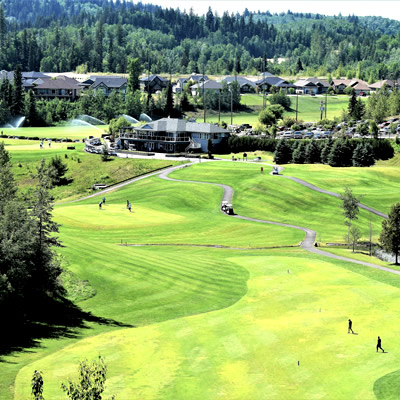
x: 287, y: 135
x: 317, y: 135
x: 298, y: 135
x: 308, y: 135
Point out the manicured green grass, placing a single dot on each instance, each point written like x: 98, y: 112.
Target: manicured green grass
x: 251, y: 155
x: 218, y: 323
x: 308, y: 109
x: 59, y: 132
x: 378, y: 186
x: 251, y: 349
x: 84, y: 169
x: 277, y: 199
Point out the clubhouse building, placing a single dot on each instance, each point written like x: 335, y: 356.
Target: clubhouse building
x: 172, y: 135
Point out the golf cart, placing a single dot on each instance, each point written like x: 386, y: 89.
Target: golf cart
x: 227, y: 208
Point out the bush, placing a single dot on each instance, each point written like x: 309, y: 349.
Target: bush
x: 280, y: 98
x: 363, y: 155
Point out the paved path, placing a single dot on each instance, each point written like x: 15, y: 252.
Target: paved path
x: 308, y: 242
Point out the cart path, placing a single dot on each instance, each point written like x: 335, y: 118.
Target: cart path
x: 317, y: 189
x: 307, y: 243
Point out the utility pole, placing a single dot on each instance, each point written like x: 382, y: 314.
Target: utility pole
x: 326, y: 103
x: 204, y: 97
x: 219, y: 105
x: 230, y: 89
x: 322, y: 109
x: 297, y: 105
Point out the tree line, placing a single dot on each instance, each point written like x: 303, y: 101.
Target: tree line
x: 336, y: 153
x: 96, y: 35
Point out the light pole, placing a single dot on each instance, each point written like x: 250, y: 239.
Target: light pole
x: 219, y: 105
x: 326, y: 103
x: 297, y: 105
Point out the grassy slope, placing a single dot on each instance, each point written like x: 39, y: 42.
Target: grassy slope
x: 308, y: 109
x: 83, y: 168
x: 379, y: 185
x: 59, y: 132
x: 269, y: 197
x: 249, y: 350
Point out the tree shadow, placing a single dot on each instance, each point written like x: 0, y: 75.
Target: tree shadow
x: 50, y: 319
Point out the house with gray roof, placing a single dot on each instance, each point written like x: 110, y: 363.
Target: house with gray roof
x: 198, y: 78
x: 266, y: 83
x: 389, y: 83
x: 107, y: 84
x: 153, y: 83
x: 60, y: 87
x: 172, y: 135
x: 206, y: 86
x: 246, y: 85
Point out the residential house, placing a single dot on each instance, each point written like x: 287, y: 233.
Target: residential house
x: 264, y: 84
x: 153, y: 83
x: 322, y: 84
x: 390, y: 84
x: 60, y: 87
x: 360, y: 87
x: 246, y: 86
x: 206, y: 86
x: 198, y: 78
x: 107, y: 84
x: 172, y: 135
x: 180, y: 85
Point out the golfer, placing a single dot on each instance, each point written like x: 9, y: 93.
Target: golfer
x: 350, y: 325
x: 379, y: 345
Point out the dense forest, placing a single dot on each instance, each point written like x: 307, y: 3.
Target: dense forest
x: 100, y: 35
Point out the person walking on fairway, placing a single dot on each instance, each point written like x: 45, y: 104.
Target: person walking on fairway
x: 350, y: 325
x: 104, y: 200
x: 130, y: 207
x: 127, y: 204
x: 100, y: 205
x: 379, y: 345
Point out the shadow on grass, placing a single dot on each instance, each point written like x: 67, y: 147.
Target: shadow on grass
x: 53, y: 319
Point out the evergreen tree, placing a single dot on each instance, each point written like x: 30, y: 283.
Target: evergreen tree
x: 352, y: 107
x: 8, y: 187
x: 390, y: 234
x: 299, y: 65
x: 340, y: 154
x: 283, y: 153
x: 299, y: 154
x: 312, y: 153
x: 45, y: 269
x: 17, y: 106
x: 363, y: 155
x: 169, y: 105
x: 210, y: 148
x: 134, y: 71
x: 30, y: 109
x: 57, y: 170
x: 326, y: 149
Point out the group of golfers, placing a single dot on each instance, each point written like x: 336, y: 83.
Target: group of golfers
x: 103, y: 202
x: 379, y: 342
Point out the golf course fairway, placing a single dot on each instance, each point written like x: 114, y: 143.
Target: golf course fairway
x: 260, y: 319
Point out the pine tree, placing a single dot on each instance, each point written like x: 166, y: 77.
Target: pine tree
x: 30, y: 109
x: 283, y: 152
x: 352, y: 107
x: 17, y: 106
x: 340, y: 154
x: 299, y: 65
x: 134, y: 71
x: 169, y: 106
x: 363, y: 155
x: 312, y: 152
x: 8, y: 187
x: 390, y: 234
x: 299, y: 154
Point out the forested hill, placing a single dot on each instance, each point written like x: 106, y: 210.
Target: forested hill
x: 100, y: 36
